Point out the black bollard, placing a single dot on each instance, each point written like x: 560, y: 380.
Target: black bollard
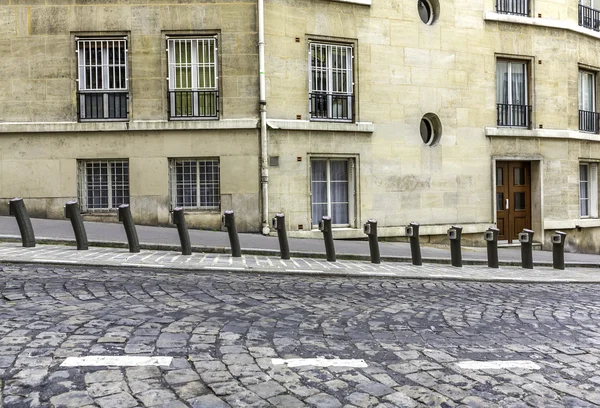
x: 127, y: 219
x: 325, y: 227
x: 279, y: 226
x: 370, y: 228
x: 558, y: 249
x: 412, y: 231
x: 491, y: 236
x: 72, y: 213
x: 16, y: 207
x: 178, y: 218
x: 229, y: 223
x: 526, y: 240
x: 454, y: 234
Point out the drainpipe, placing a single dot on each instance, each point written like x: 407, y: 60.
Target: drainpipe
x: 264, y: 138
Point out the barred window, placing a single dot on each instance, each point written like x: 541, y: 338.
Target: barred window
x: 193, y: 78
x: 194, y: 183
x: 102, y: 78
x: 103, y: 184
x: 330, y: 82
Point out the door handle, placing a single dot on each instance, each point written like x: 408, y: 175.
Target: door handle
x: 506, y: 204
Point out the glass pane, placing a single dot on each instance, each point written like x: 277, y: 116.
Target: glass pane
x: 339, y: 170
x: 499, y: 201
x: 519, y: 176
x: 318, y: 170
x: 519, y: 201
x: 318, y: 211
x: 499, y: 176
x: 339, y: 214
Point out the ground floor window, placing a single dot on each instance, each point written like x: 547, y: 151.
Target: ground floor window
x: 332, y: 190
x: 588, y: 190
x: 103, y: 184
x: 194, y: 183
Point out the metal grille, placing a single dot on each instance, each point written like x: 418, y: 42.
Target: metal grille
x: 330, y: 81
x: 589, y: 121
x: 103, y: 184
x: 518, y: 7
x: 589, y: 17
x: 195, y: 183
x: 513, y: 115
x: 193, y: 79
x: 102, y: 78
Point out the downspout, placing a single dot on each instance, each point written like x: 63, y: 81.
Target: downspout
x: 264, y: 137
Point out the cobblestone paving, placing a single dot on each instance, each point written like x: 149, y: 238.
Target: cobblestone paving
x: 223, y: 331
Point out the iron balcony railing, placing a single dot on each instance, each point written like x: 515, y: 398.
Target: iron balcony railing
x: 184, y: 104
x: 333, y: 106
x: 518, y: 7
x: 103, y: 105
x: 589, y: 17
x: 588, y: 121
x: 514, y: 115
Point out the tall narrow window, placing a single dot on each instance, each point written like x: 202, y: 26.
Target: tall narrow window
x: 512, y: 94
x: 103, y: 184
x: 194, y: 183
x: 331, y: 84
x: 588, y: 190
x: 332, y: 187
x: 588, y: 117
x: 102, y: 79
x: 193, y: 79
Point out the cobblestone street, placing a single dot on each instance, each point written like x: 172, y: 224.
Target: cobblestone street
x: 224, y: 331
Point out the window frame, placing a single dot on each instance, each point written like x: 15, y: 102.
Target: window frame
x: 351, y: 163
x: 174, y: 184
x: 197, y: 92
x: 350, y: 94
x: 84, y: 187
x: 513, y: 110
x: 113, y: 95
x: 588, y: 112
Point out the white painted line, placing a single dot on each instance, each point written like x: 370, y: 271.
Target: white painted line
x: 303, y: 270
x: 119, y: 361
x: 141, y: 264
x: 224, y: 268
x: 319, y: 362
x: 498, y: 364
x: 53, y: 261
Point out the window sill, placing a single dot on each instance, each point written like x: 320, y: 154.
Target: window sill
x: 361, y: 2
x: 541, y: 133
x: 540, y: 22
x: 361, y: 127
x: 136, y: 125
x: 572, y: 224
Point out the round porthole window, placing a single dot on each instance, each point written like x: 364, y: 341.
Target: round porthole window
x: 428, y: 10
x: 431, y: 129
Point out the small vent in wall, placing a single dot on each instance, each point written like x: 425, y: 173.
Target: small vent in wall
x: 273, y: 161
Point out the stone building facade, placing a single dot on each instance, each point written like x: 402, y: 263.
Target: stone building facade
x: 479, y: 113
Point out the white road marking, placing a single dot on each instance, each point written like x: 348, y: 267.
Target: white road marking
x: 224, y: 268
x: 119, y: 361
x: 319, y: 362
x: 54, y: 261
x: 141, y: 264
x: 498, y: 364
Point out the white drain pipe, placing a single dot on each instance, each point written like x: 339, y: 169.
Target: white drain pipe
x: 264, y: 137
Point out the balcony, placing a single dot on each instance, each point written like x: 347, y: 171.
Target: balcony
x: 102, y: 105
x: 330, y: 106
x: 513, y: 115
x: 517, y: 7
x: 589, y: 17
x: 588, y: 121
x: 186, y: 104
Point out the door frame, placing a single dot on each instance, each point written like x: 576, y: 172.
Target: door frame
x: 536, y: 185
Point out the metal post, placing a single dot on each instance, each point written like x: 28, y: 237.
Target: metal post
x: 412, y: 231
x: 229, y: 223
x: 454, y: 234
x: 526, y: 239
x: 558, y: 249
x: 491, y: 236
x: 370, y: 228
x: 178, y: 218
x: 16, y: 207
x: 72, y: 213
x: 325, y: 227
x: 127, y: 220
x: 279, y: 225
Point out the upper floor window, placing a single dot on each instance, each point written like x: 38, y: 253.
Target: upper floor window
x: 102, y: 78
x: 588, y: 117
x: 512, y: 94
x: 330, y: 82
x: 589, y: 15
x: 518, y: 7
x: 193, y: 79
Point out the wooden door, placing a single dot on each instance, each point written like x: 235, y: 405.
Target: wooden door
x: 513, y: 198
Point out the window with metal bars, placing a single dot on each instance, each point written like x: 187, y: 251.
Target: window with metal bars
x: 194, y: 183
x: 103, y: 184
x: 102, y: 79
x: 330, y: 82
x: 193, y: 78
